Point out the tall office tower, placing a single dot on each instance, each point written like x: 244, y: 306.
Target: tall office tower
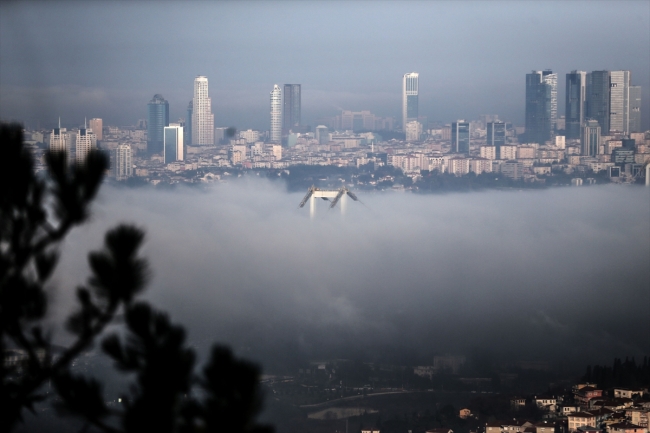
x: 590, y: 139
x: 187, y: 135
x: 576, y: 87
x: 122, y: 162
x: 496, y: 136
x: 635, y: 108
x: 97, y: 127
x: 173, y: 143
x: 276, y: 115
x: 85, y: 141
x: 541, y: 105
x: 460, y: 137
x: 598, y: 98
x: 202, y: 117
x: 619, y: 101
x: 322, y: 134
x: 290, y: 108
x: 410, y: 84
x: 158, y: 118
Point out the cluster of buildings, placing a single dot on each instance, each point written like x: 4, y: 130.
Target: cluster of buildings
x: 600, y: 132
x: 586, y: 410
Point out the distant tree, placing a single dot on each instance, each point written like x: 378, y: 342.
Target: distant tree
x: 36, y: 214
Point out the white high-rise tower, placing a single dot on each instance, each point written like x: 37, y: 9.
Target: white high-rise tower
x: 619, y: 101
x: 409, y: 98
x: 276, y: 115
x: 202, y: 117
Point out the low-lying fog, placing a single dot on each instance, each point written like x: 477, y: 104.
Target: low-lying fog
x: 561, y: 274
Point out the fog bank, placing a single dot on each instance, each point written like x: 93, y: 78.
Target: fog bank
x: 560, y: 274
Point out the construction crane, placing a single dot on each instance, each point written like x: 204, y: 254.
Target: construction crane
x: 325, y: 194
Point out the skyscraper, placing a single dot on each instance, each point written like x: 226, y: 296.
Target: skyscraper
x: 290, y: 108
x: 276, y: 115
x: 85, y: 142
x: 576, y: 82
x: 590, y: 139
x: 541, y: 105
x: 460, y: 137
x: 173, y: 143
x: 598, y: 98
x: 410, y: 93
x: 158, y: 118
x: 635, y: 108
x: 97, y: 127
x: 619, y: 101
x: 202, y: 117
x: 496, y: 136
x: 60, y: 141
x: 122, y: 162
x: 187, y: 135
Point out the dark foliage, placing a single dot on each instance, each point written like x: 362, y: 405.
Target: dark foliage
x: 167, y: 395
x: 626, y: 374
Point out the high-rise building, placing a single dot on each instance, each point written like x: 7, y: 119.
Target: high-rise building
x: 97, y: 126
x: 619, y: 101
x: 158, y: 118
x: 413, y: 130
x: 410, y: 85
x: 85, y: 141
x: 290, y: 108
x: 60, y: 140
x: 202, y: 118
x: 576, y: 87
x: 173, y: 143
x: 122, y: 162
x: 635, y: 108
x: 460, y: 137
x: 322, y: 134
x: 598, y: 98
x: 187, y: 133
x: 276, y: 115
x: 590, y: 139
x: 496, y: 136
x: 541, y: 105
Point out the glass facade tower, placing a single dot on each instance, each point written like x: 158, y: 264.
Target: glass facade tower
x: 173, y: 143
x: 290, y: 108
x: 460, y: 137
x: 576, y: 87
x: 541, y: 105
x: 496, y: 136
x: 598, y: 98
x: 590, y: 138
x: 635, y: 108
x: 158, y: 118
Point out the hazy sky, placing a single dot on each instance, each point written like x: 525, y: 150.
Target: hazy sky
x: 560, y: 274
x: 107, y: 59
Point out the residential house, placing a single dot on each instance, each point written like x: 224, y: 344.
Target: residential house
x: 626, y: 427
x: 580, y: 419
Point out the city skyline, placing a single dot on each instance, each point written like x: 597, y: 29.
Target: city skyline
x: 355, y: 79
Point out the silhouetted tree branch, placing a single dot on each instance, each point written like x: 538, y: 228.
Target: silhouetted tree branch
x: 35, y: 216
